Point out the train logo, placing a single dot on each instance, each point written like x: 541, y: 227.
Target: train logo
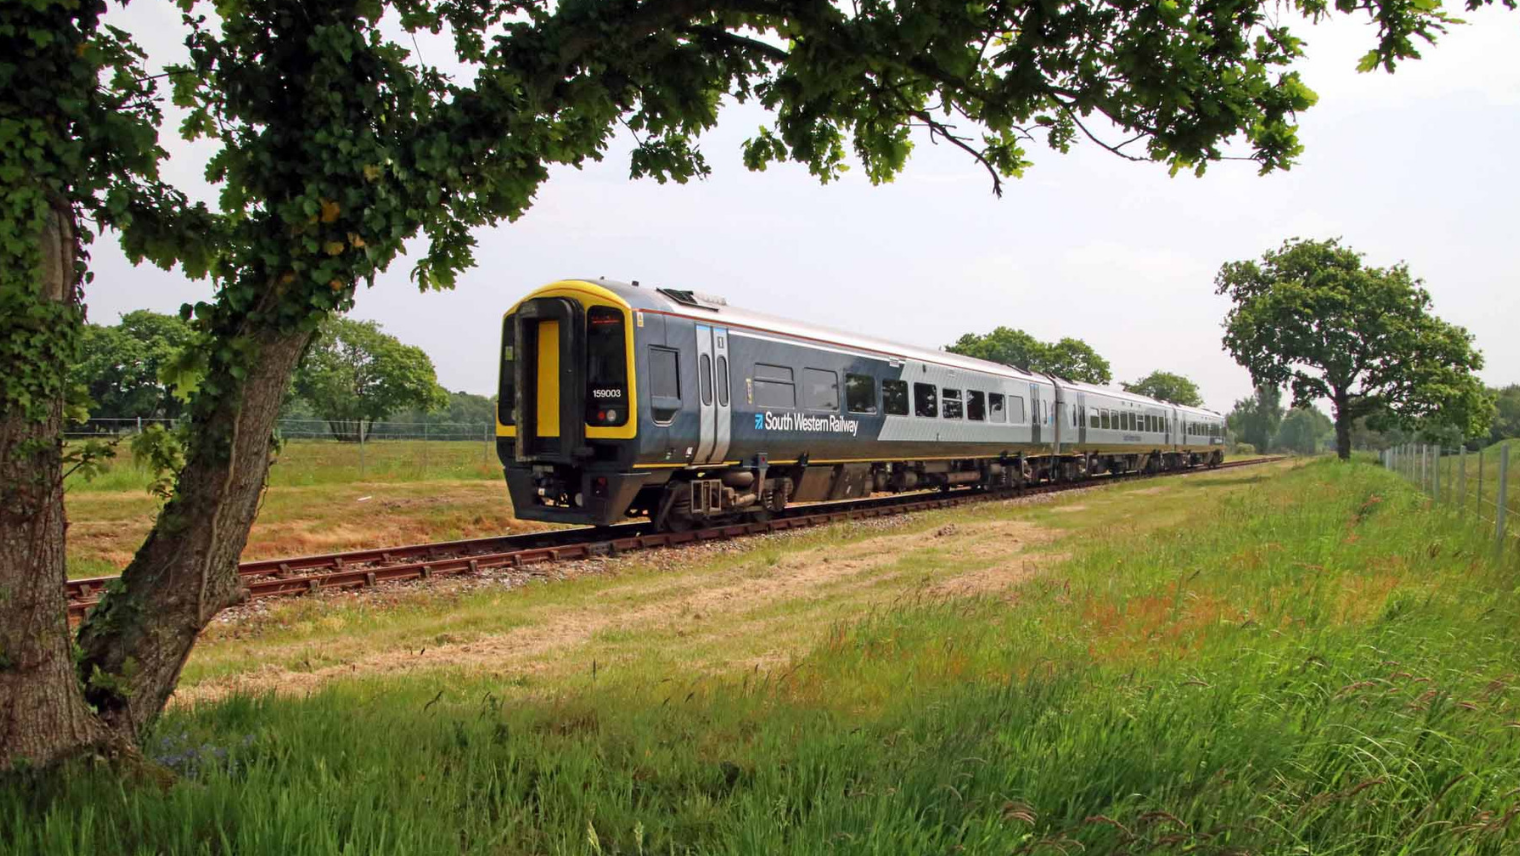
x: 769, y: 421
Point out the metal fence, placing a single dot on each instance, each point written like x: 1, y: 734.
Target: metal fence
x: 421, y: 447
x: 1471, y: 484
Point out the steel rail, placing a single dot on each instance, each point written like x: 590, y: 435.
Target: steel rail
x: 368, y: 568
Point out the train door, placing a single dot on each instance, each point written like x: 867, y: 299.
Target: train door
x: 713, y: 394
x: 550, y: 388
x: 1034, y: 414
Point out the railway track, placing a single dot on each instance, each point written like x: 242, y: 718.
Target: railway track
x: 369, y: 568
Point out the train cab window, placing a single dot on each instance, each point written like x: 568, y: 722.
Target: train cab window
x: 995, y: 407
x: 952, y: 399
x: 664, y: 384
x: 774, y: 387
x: 723, y: 381
x: 894, y: 397
x: 820, y: 389
x: 860, y: 393
x: 506, y: 390
x: 925, y: 400
x: 606, y: 367
x: 704, y: 379
x: 1015, y: 410
x: 976, y: 405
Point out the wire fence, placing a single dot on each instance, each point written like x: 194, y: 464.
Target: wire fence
x: 335, y: 447
x: 1472, y: 484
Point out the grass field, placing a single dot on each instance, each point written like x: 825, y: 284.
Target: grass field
x: 1308, y: 659
x: 318, y: 501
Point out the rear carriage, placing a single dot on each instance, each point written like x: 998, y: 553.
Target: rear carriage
x: 620, y: 401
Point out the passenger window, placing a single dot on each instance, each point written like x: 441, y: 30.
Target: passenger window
x: 925, y: 400
x: 704, y: 379
x: 664, y: 384
x: 1015, y: 410
x: 952, y: 404
x: 995, y: 404
x: 860, y: 393
x: 976, y: 405
x: 820, y: 389
x: 1092, y: 417
x: 894, y: 397
x: 773, y: 386
x: 664, y: 378
x: 723, y: 381
x: 1106, y: 421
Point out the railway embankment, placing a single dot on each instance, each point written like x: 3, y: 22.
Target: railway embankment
x: 1285, y: 658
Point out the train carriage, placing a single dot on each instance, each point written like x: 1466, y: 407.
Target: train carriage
x: 620, y: 401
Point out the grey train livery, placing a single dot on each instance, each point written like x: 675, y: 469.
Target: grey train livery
x: 617, y: 401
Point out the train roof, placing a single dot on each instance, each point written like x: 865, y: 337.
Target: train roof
x: 695, y: 304
x: 691, y: 304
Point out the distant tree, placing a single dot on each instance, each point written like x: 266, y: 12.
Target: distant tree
x: 1303, y: 431
x: 1255, y: 420
x: 1312, y: 315
x: 1507, y: 413
x: 355, y: 374
x: 121, y: 366
x: 1167, y: 387
x: 1069, y: 358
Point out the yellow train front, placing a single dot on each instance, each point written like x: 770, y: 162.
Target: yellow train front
x: 617, y: 401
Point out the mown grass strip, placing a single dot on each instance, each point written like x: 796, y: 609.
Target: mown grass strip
x: 1320, y: 664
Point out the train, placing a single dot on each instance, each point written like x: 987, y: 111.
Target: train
x: 620, y: 401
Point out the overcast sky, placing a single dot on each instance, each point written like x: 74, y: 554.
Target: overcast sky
x: 1418, y: 166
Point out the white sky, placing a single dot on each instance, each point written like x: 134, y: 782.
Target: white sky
x: 1418, y: 166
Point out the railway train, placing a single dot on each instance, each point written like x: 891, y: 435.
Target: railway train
x: 620, y: 401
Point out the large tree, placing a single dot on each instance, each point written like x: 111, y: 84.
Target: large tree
x: 334, y: 146
x: 1255, y: 419
x: 356, y: 374
x: 1313, y: 316
x: 1069, y: 358
x: 1166, y: 386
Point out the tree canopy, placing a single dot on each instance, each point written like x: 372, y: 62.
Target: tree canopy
x: 1069, y: 358
x: 1507, y: 413
x: 121, y: 366
x: 333, y: 146
x: 1303, y: 431
x: 355, y: 375
x: 1312, y: 316
x: 1167, y: 386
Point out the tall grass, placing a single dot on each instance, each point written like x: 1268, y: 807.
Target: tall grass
x: 1323, y: 664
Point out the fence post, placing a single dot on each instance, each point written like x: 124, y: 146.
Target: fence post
x: 1480, y: 483
x: 1499, y: 511
x: 1461, y: 478
x: 1435, y: 477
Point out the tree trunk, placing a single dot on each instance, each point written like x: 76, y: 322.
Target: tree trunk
x: 136, y: 641
x: 1343, y: 419
x: 43, y: 716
